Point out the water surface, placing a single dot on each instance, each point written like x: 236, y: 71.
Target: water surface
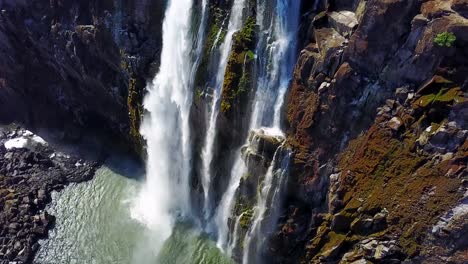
x: 93, y: 226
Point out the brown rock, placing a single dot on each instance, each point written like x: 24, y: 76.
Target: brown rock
x: 395, y: 123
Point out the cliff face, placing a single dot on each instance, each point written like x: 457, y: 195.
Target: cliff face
x: 378, y: 124
x: 376, y: 114
x: 78, y: 67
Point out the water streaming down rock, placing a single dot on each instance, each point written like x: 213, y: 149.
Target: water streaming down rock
x: 200, y: 37
x: 165, y: 195
x: 235, y: 23
x: 275, y: 51
x: 278, y: 23
x: 268, y: 207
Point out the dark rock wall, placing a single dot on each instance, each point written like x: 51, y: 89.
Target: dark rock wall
x: 79, y: 67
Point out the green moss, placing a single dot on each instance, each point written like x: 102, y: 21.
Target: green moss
x: 247, y: 175
x: 134, y: 102
x: 334, y: 242
x: 246, y: 218
x: 225, y: 106
x: 135, y: 114
x: 445, y: 95
x: 238, y: 78
x: 246, y: 35
x: 445, y: 39
x: 198, y: 94
x: 388, y: 172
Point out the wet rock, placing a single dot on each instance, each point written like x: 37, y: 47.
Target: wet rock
x: 13, y: 227
x: 263, y: 142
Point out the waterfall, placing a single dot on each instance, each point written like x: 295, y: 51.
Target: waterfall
x: 235, y: 23
x: 276, y: 52
x: 275, y: 57
x: 200, y: 37
x: 270, y: 194
x: 165, y: 196
x: 226, y: 205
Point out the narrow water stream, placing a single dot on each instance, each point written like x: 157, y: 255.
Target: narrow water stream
x: 93, y: 226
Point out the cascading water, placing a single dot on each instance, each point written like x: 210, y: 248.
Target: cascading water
x: 165, y: 194
x: 276, y: 51
x: 235, y: 23
x: 275, y: 59
x: 270, y: 194
x: 200, y: 37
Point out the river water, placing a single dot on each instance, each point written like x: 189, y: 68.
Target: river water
x: 94, y: 226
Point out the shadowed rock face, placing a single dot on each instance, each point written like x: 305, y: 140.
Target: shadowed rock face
x: 78, y: 67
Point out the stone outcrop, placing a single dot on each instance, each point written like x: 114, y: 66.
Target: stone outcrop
x: 30, y: 170
x: 237, y: 93
x: 258, y: 156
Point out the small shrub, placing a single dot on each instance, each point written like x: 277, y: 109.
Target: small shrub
x: 225, y: 106
x: 445, y: 39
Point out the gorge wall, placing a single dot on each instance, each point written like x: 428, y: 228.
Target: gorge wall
x: 368, y: 162
x: 377, y: 122
x: 77, y: 68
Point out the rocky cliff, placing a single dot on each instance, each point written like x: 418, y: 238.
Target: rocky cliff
x: 377, y: 117
x: 78, y: 68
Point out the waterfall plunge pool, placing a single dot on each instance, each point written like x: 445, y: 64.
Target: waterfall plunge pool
x: 93, y: 226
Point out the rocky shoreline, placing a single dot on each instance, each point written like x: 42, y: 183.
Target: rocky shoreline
x: 30, y: 169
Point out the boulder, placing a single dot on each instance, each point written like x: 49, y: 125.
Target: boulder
x: 362, y: 226
x: 330, y: 45
x: 265, y: 141
x: 395, y: 123
x: 341, y: 222
x: 402, y: 93
x: 343, y: 21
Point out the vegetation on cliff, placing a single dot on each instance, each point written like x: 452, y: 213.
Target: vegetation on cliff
x: 238, y: 77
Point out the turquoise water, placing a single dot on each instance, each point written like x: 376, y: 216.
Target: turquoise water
x: 93, y: 226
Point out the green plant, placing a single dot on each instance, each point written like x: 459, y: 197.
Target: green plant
x: 198, y: 94
x: 225, y: 106
x: 445, y: 95
x: 246, y: 218
x: 250, y: 55
x: 445, y: 39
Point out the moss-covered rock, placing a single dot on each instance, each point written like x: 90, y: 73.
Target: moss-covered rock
x: 134, y: 104
x: 238, y: 79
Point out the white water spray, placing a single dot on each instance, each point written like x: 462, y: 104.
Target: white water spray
x: 165, y: 195
x: 270, y: 194
x: 275, y: 60
x: 235, y: 23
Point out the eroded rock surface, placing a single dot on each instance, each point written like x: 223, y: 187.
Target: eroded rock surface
x: 30, y: 170
x: 78, y: 68
x: 377, y: 124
